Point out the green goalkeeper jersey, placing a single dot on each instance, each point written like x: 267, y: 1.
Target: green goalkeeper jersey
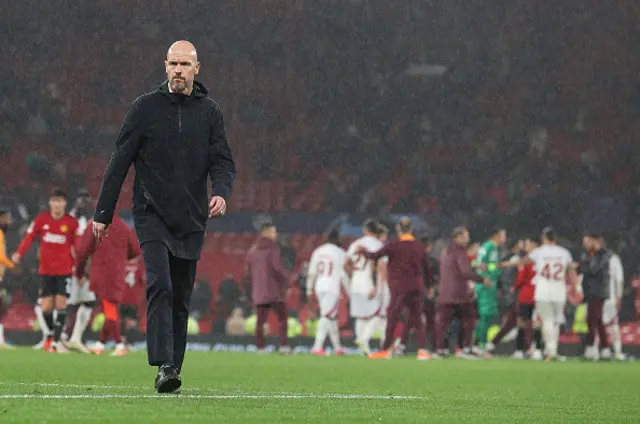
x: 489, y: 256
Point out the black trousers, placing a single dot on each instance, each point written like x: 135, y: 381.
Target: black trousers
x: 169, y: 285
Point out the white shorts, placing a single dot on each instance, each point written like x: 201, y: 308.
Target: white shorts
x: 550, y: 311
x: 79, y: 294
x: 360, y: 306
x: 328, y: 303
x: 609, y: 312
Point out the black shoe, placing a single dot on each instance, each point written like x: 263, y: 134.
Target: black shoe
x: 168, y: 380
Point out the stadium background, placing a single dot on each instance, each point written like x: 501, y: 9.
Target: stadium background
x: 473, y: 112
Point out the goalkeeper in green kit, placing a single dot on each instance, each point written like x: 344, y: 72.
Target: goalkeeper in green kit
x: 488, y: 266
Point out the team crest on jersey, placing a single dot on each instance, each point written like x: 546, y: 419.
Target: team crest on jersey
x: 45, y: 227
x: 64, y: 228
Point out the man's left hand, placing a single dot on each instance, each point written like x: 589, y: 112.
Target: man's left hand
x: 217, y: 207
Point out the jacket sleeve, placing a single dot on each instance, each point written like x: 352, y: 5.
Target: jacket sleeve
x: 126, y: 150
x: 84, y: 250
x: 464, y: 268
x: 617, y: 276
x: 278, y: 268
x: 32, y: 232
x: 380, y: 253
x: 429, y: 279
x: 222, y: 168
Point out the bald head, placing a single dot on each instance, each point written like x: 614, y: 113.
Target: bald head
x: 182, y: 66
x: 183, y: 47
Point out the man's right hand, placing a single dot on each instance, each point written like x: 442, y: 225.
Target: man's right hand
x: 16, y: 258
x: 100, y: 230
x: 487, y: 283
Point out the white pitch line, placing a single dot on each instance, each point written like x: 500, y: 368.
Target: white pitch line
x: 221, y: 397
x: 80, y: 386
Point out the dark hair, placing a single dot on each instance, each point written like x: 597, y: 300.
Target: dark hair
x: 58, y: 192
x: 371, y: 225
x: 458, y: 231
x: 592, y: 234
x: 405, y: 225
x: 381, y: 230
x: 496, y: 230
x: 549, y: 233
x: 4, y: 212
x: 534, y: 237
x: 425, y: 240
x: 334, y: 237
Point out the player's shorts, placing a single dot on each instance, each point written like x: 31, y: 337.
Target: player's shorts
x: 550, y: 311
x: 80, y: 293
x: 328, y: 303
x: 609, y: 312
x: 55, y: 285
x: 525, y: 311
x: 360, y: 306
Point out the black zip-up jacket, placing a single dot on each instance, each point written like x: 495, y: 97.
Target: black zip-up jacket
x: 595, y: 274
x: 174, y: 142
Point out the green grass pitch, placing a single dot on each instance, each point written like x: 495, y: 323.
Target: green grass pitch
x: 38, y: 387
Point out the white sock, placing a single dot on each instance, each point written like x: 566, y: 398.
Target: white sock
x: 46, y: 331
x: 382, y: 327
x: 369, y: 328
x: 2, y: 341
x: 321, y: 333
x: 82, y: 321
x: 360, y: 324
x: 548, y: 331
x: 617, y: 339
x: 120, y: 346
x: 334, y: 334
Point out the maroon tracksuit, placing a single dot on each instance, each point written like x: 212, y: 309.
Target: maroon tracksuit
x: 454, y: 296
x: 263, y: 267
x: 408, y: 268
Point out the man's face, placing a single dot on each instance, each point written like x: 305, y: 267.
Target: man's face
x: 271, y: 233
x: 587, y: 242
x: 502, y: 237
x: 464, y: 239
x: 57, y: 205
x: 6, y: 220
x: 530, y: 245
x: 383, y: 237
x: 182, y: 68
x: 428, y: 247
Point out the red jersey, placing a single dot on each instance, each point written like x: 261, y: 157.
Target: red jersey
x: 134, y: 284
x: 57, y: 237
x: 524, y: 283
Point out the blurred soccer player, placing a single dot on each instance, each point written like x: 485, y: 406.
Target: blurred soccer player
x: 594, y: 266
x: 488, y: 261
x: 553, y: 268
x: 132, y: 298
x: 56, y: 231
x: 454, y: 296
x: 526, y: 303
x: 270, y: 281
x: 108, y: 274
x: 408, y: 266
x: 611, y: 307
x: 81, y: 299
x: 362, y: 294
x: 325, y: 279
x: 378, y: 322
x: 5, y: 262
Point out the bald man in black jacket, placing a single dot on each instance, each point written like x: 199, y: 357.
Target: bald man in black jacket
x: 175, y: 138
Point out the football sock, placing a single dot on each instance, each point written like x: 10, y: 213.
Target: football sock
x: 48, y: 327
x: 334, y: 334
x: 617, y: 339
x: 321, y: 333
x: 61, y: 319
x: 83, y: 316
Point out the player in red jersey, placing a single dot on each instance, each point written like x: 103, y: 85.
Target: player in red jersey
x: 56, y: 231
x: 526, y: 302
x: 134, y: 286
x: 108, y: 272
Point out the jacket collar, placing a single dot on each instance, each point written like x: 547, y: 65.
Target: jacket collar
x: 199, y: 91
x: 406, y: 237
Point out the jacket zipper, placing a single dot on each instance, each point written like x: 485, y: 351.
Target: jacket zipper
x: 180, y: 120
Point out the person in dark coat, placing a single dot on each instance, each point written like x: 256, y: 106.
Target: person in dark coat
x: 270, y: 281
x: 594, y: 267
x: 454, y: 295
x: 175, y: 138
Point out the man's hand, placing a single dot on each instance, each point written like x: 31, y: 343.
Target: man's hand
x: 16, y: 258
x: 100, y: 230
x: 487, y: 283
x: 82, y: 281
x: 618, y: 303
x: 431, y: 293
x: 217, y: 207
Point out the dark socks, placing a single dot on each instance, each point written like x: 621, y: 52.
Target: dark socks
x: 520, y: 340
x: 48, y: 318
x: 61, y: 319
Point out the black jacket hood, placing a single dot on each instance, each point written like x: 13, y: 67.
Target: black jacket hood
x: 199, y: 90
